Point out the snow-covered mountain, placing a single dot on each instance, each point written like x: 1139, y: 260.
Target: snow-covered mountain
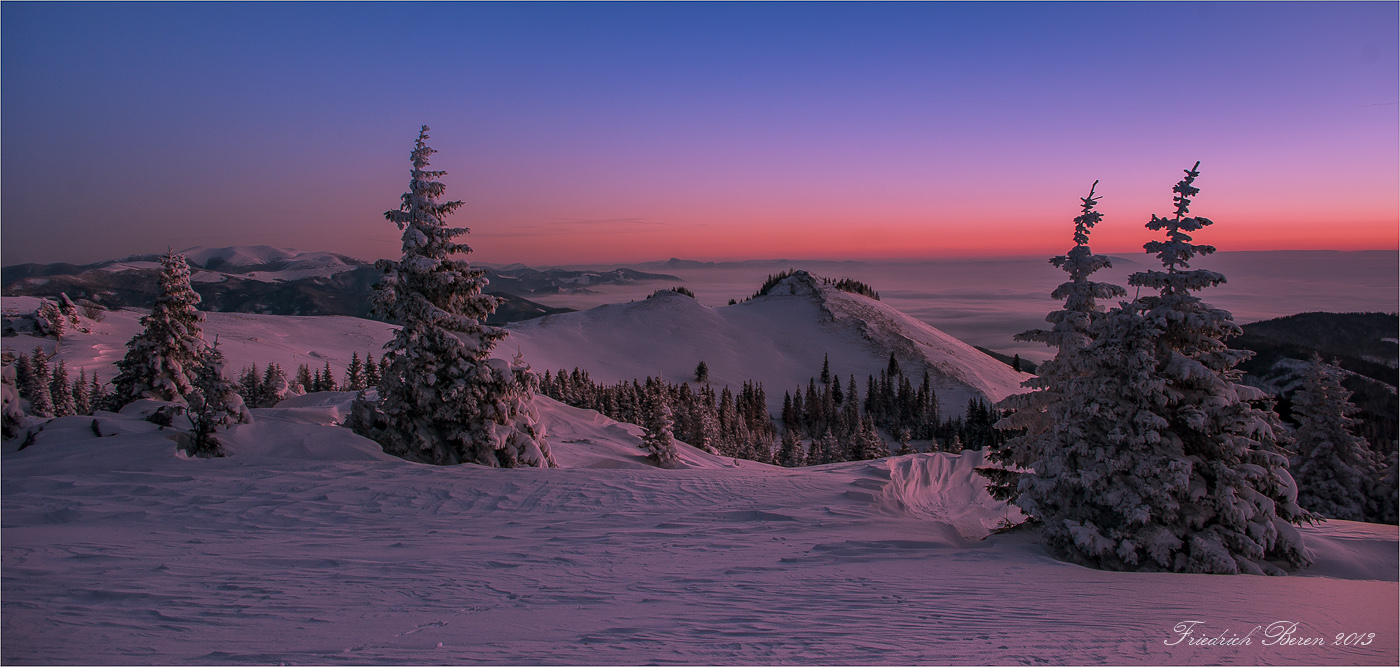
x: 779, y: 339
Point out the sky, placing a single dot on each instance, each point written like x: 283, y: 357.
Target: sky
x: 592, y: 133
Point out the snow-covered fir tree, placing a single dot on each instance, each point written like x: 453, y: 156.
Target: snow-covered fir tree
x: 11, y: 411
x: 274, y: 386
x: 1335, y: 469
x: 658, y: 438
x: 355, y: 373
x: 792, y: 453
x: 82, y: 393
x: 49, y: 320
x: 443, y: 400
x: 214, y: 404
x: 1053, y: 413
x: 904, y: 447
x: 62, y: 392
x: 38, y: 388
x: 1189, y: 476
x: 371, y: 371
x: 161, y: 360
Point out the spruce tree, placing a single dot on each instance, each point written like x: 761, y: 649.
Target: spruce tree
x: 371, y: 371
x: 82, y: 394
x: 214, y: 404
x: 354, y: 373
x: 39, y: 392
x: 1052, y: 414
x: 702, y: 372
x: 1188, y: 476
x: 304, y: 379
x: 792, y: 453
x: 274, y: 386
x: 658, y: 438
x: 23, y: 372
x: 160, y: 360
x: 443, y: 399
x: 61, y: 392
x: 1335, y: 469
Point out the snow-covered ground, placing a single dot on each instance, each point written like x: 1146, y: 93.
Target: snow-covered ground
x: 310, y: 546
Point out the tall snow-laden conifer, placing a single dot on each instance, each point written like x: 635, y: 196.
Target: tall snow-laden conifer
x: 443, y: 400
x: 161, y: 360
x: 1053, y: 414
x: 1189, y: 476
x: 1335, y: 468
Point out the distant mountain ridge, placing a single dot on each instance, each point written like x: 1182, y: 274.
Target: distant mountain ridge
x: 283, y: 281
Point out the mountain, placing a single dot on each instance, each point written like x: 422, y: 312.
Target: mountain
x: 779, y: 339
x: 282, y: 281
x: 1362, y: 344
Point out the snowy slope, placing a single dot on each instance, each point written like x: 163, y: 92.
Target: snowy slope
x: 244, y: 338
x: 308, y: 546
x: 778, y: 339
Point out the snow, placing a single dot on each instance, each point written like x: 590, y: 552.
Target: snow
x: 778, y: 339
x: 244, y: 338
x: 309, y: 545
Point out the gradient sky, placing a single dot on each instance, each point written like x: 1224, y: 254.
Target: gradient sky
x: 583, y: 133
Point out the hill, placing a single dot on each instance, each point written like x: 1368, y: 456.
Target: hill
x: 779, y: 339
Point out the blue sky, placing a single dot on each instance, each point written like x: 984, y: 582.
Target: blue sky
x: 611, y: 132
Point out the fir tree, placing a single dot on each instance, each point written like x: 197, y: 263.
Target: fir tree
x: 97, y: 395
x: 39, y: 393
x: 1189, y: 476
x: 82, y: 394
x: 904, y: 448
x: 371, y: 371
x: 304, y: 380
x: 274, y: 386
x: 792, y: 453
x: 214, y: 404
x: 658, y: 438
x: 1334, y: 468
x: 160, y: 360
x: 1052, y: 415
x: 61, y: 392
x: 23, y: 374
x: 443, y: 399
x: 328, y: 379
x: 702, y: 372
x: 355, y: 373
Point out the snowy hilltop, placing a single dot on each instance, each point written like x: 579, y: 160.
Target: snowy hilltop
x: 779, y: 338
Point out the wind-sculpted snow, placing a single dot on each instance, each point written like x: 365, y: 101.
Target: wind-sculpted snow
x: 304, y: 547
